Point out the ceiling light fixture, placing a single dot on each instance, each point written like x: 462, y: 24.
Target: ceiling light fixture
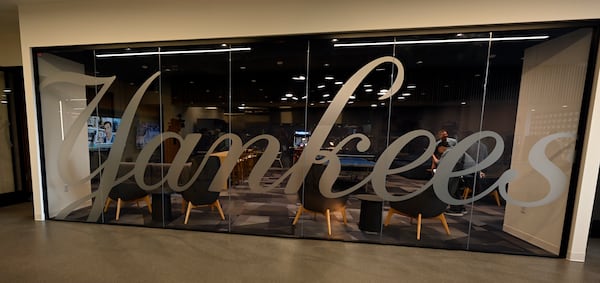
x: 299, y: 78
x: 434, y: 41
x: 175, y: 52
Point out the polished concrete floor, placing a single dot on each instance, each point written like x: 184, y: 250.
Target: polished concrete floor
x: 55, y: 251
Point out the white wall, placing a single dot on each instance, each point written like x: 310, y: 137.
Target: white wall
x: 74, y: 22
x: 60, y: 104
x: 549, y: 102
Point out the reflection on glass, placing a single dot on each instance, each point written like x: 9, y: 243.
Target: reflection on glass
x: 311, y: 137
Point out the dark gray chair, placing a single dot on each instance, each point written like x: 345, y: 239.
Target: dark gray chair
x: 313, y: 201
x: 424, y: 205
x: 198, y: 194
x: 128, y: 191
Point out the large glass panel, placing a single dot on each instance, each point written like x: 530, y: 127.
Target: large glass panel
x: 129, y: 111
x: 268, y: 100
x: 349, y: 124
x: 195, y: 89
x: 446, y: 140
x: 441, y: 101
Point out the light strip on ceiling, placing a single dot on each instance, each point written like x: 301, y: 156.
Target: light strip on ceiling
x: 435, y: 41
x: 149, y: 53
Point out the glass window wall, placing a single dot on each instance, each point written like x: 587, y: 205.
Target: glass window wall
x: 446, y: 140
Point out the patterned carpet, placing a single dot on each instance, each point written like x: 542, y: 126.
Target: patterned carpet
x: 272, y: 214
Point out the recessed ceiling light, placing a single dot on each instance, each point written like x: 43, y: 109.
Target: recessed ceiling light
x: 320, y: 86
x: 419, y: 62
x: 284, y: 98
x: 326, y: 95
x: 299, y: 78
x: 352, y: 97
x: 328, y: 78
x: 334, y: 40
x: 6, y: 90
x: 279, y: 63
x: 367, y: 85
x: 339, y: 83
x: 326, y: 65
x: 401, y: 97
x: 411, y: 86
x: 406, y: 94
x: 288, y: 95
x: 223, y: 44
x: 373, y: 105
x: 295, y: 98
x: 380, y: 69
x: 350, y: 102
x: 242, y: 67
x: 144, y: 67
x: 369, y: 90
x: 463, y: 103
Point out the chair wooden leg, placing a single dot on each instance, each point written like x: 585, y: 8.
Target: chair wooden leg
x: 328, y: 221
x: 107, y: 204
x: 298, y: 213
x: 119, y: 202
x: 444, y: 223
x: 496, y: 197
x: 466, y: 193
x: 148, y: 203
x: 344, y: 215
x: 218, y: 205
x: 187, y: 214
x: 388, y: 218
x: 419, y: 227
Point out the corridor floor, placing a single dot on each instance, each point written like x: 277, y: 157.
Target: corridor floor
x: 54, y: 251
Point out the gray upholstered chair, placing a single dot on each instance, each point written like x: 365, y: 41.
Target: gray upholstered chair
x: 313, y: 201
x: 424, y: 205
x: 128, y: 191
x: 198, y: 194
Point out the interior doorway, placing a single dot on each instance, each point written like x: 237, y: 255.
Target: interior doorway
x: 15, y: 177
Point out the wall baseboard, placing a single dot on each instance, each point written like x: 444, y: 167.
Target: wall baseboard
x: 532, y: 239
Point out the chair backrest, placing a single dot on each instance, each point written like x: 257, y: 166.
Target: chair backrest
x: 311, y: 197
x: 426, y: 203
x: 198, y: 193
